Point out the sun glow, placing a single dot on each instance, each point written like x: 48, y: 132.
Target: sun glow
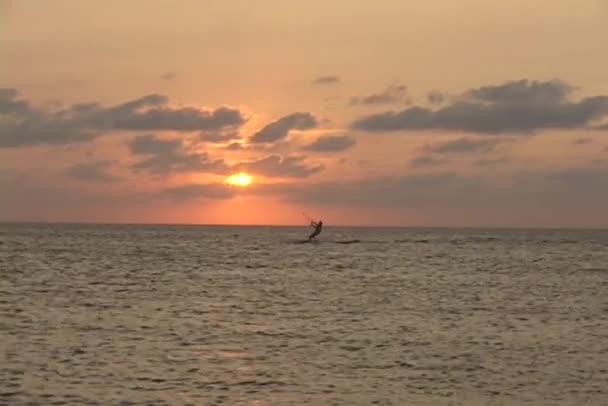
x: 239, y: 179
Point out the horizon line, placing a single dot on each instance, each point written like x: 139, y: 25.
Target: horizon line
x: 286, y: 225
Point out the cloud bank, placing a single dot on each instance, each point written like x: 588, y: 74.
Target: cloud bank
x: 22, y: 124
x: 517, y: 107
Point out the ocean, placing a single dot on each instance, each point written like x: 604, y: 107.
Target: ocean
x: 218, y: 315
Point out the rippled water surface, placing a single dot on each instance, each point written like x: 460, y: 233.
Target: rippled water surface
x: 248, y: 316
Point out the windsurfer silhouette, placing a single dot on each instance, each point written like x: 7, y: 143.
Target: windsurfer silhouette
x: 318, y: 227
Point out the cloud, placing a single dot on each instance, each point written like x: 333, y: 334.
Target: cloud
x: 435, y: 97
x: 564, y: 190
x: 463, y: 146
x: 326, y: 80
x: 10, y: 104
x: 392, y: 94
x: 198, y: 191
x: 218, y: 137
x: 167, y: 156
x: 234, y: 146
x: 277, y: 166
x: 582, y: 141
x: 331, y: 143
x: 151, y: 144
x: 95, y: 171
x: 280, y: 128
x: 168, y: 76
x: 490, y: 161
x: 513, y: 107
x: 426, y: 160
x: 523, y: 92
x: 158, y: 117
x: 22, y: 125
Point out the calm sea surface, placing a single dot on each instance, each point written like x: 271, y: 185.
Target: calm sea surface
x: 180, y: 315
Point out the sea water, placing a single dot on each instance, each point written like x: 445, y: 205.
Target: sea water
x: 176, y: 315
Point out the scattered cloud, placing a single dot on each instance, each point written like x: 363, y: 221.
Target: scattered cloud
x: 392, y: 94
x: 277, y: 166
x: 168, y: 76
x: 234, y: 146
x: 219, y: 137
x: 326, y: 80
x: 21, y: 124
x: 331, y: 143
x: 167, y: 156
x: 96, y: 171
x: 521, y: 107
x: 279, y: 129
x: 463, y: 146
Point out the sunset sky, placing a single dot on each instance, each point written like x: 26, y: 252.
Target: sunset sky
x: 387, y: 112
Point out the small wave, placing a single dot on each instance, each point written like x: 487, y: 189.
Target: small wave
x: 598, y: 270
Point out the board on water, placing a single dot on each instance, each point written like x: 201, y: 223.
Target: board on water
x: 348, y: 242
x: 307, y: 241
x: 313, y: 241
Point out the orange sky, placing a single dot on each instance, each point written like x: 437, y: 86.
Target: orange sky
x: 393, y: 112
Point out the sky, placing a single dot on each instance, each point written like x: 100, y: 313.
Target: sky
x: 388, y: 112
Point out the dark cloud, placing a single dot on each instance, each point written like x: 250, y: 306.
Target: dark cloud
x: 151, y: 144
x: 435, y: 97
x: 331, y: 143
x: 159, y: 117
x: 279, y: 129
x: 392, y: 94
x: 514, y: 107
x: 326, y: 80
x: 96, y: 171
x: 198, y: 191
x: 167, y: 156
x: 23, y: 125
x: 10, y: 104
x: 427, y: 160
x: 463, y: 146
x: 522, y: 92
x: 277, y: 166
x: 42, y: 131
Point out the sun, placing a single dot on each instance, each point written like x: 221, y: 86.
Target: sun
x: 239, y: 179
